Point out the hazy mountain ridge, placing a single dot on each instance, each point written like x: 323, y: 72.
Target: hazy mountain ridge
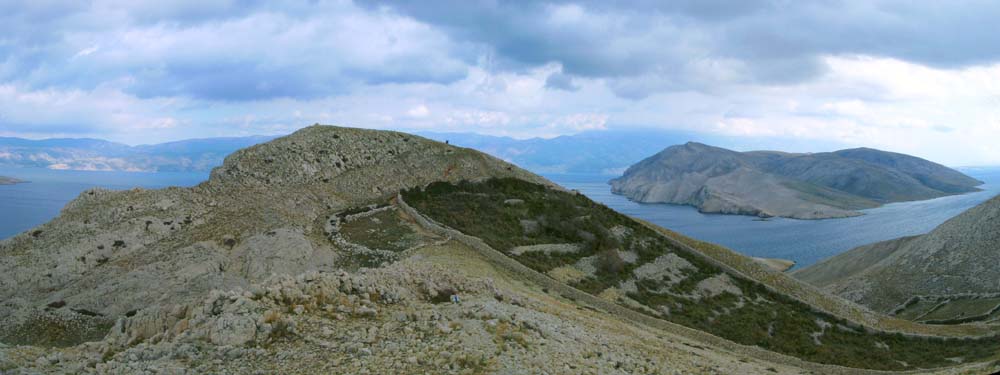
x: 597, y: 152
x: 192, y: 155
x: 796, y: 185
x: 594, y: 152
x: 606, y: 152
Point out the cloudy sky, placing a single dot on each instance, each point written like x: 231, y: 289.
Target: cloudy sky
x: 921, y: 77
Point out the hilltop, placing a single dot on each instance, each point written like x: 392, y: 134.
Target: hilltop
x: 347, y: 250
x: 945, y: 276
x: 802, y: 186
x: 259, y: 213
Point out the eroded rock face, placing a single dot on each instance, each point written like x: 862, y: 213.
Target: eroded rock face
x: 111, y: 253
x: 257, y: 255
x: 233, y: 330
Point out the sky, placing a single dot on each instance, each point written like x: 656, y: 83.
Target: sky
x: 919, y: 77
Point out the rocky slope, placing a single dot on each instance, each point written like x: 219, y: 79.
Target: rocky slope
x: 957, y: 258
x: 801, y: 186
x: 300, y: 256
x: 388, y: 320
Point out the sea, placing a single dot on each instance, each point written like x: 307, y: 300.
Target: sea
x: 803, y: 241
x: 24, y: 206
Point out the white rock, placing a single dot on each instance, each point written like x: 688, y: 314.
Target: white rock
x: 233, y: 330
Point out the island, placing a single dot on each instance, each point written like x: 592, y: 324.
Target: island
x: 9, y: 180
x: 792, y: 185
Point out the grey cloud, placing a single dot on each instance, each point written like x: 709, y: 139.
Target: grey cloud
x: 774, y: 41
x: 521, y: 35
x: 187, y: 11
x: 228, y: 50
x: 639, y: 48
x: 234, y: 82
x: 561, y: 81
x: 702, y: 10
x: 952, y: 34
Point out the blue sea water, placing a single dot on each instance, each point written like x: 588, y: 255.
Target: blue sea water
x: 802, y: 241
x: 24, y: 206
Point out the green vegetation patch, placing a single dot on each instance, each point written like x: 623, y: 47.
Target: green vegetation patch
x: 495, y: 211
x: 384, y: 230
x: 950, y: 309
x: 917, y: 309
x: 961, y: 309
x: 373, y: 236
x: 44, y: 329
x: 506, y: 213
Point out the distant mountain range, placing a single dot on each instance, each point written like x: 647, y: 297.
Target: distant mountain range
x: 193, y: 155
x: 596, y: 152
x: 606, y: 152
x: 771, y: 183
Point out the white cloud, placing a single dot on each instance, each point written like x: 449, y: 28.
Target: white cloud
x: 579, y: 122
x: 419, y: 111
x: 85, y: 52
